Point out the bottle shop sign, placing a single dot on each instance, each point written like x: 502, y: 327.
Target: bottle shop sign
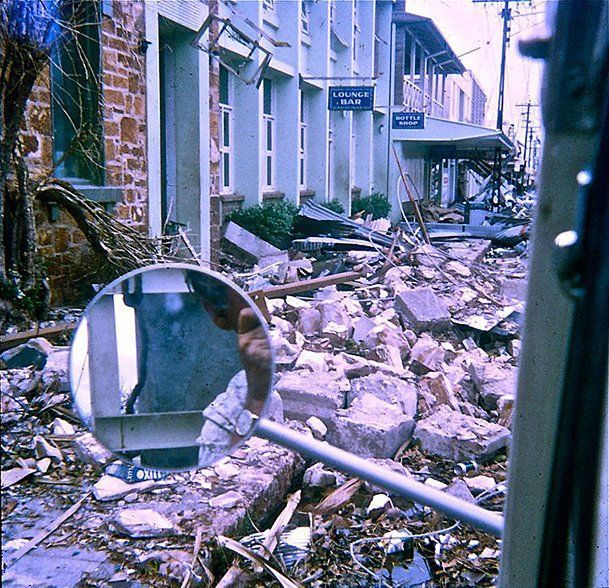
x: 408, y: 120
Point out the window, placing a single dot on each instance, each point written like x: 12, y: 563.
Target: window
x: 268, y: 4
x: 332, y: 11
x: 461, y: 103
x: 304, y: 17
x: 302, y: 145
x: 226, y: 132
x: 75, y: 96
x: 268, y: 121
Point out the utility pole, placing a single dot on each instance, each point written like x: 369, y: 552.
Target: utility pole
x: 507, y: 16
x: 527, y: 143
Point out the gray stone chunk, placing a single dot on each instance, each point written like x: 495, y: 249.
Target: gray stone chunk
x: 309, y: 321
x: 370, y: 428
x: 142, y: 522
x: 305, y: 395
x: 317, y: 427
x: 422, y: 309
x: 461, y: 490
x: 56, y: 369
x: 426, y: 356
x: 390, y: 389
x: 493, y: 382
x: 51, y: 567
x: 514, y: 288
x: 453, y: 435
x: 317, y: 476
x: 91, y: 451
x: 229, y: 499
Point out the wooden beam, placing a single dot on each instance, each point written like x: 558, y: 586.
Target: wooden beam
x: 313, y: 284
x: 8, y: 341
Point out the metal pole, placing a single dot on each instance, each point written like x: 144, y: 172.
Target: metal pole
x: 476, y: 516
x: 524, y: 158
x: 497, y: 163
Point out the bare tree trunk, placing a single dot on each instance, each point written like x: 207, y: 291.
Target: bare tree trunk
x: 19, y: 69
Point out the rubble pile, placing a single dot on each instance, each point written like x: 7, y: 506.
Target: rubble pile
x: 408, y: 357
x: 414, y: 362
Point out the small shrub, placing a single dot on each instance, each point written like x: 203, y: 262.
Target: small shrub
x: 274, y: 222
x: 335, y: 205
x: 377, y: 205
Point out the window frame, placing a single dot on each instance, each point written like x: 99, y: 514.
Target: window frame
x: 76, y: 98
x: 269, y: 134
x: 226, y: 150
x: 304, y: 18
x: 303, y: 138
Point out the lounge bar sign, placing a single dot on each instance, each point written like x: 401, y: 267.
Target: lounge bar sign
x: 351, y: 98
x: 408, y: 120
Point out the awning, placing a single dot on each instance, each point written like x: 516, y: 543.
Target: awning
x: 456, y: 140
x: 426, y: 31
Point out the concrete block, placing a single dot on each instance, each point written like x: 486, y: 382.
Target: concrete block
x: 422, y: 309
x: 452, y: 435
x: 142, y: 522
x: 313, y: 361
x: 493, y: 382
x: 390, y: 389
x: 305, y: 395
x: 440, y: 389
x: 309, y: 322
x: 319, y: 476
x: 317, y: 427
x: 426, y: 356
x: 370, y: 428
x: 90, y: 451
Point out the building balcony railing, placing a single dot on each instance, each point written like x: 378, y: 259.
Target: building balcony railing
x: 413, y: 97
x: 416, y: 101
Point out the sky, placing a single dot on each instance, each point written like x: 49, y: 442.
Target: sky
x: 478, y: 27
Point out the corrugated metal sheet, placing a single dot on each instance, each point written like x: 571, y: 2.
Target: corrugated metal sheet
x: 188, y: 13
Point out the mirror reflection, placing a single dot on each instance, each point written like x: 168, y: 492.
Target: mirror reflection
x: 170, y: 366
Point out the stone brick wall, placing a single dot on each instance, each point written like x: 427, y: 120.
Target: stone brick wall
x: 124, y: 90
x: 69, y: 261
x: 216, y: 208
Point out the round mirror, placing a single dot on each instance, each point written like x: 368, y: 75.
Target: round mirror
x: 170, y: 366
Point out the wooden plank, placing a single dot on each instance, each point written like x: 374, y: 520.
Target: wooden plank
x: 259, y: 299
x: 8, y: 341
x: 313, y: 284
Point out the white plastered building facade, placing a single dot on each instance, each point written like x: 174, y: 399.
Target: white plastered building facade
x: 280, y: 140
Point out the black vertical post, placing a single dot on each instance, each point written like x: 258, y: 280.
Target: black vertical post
x: 496, y: 198
x: 526, y: 143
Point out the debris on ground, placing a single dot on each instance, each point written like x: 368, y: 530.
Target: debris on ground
x: 402, y: 352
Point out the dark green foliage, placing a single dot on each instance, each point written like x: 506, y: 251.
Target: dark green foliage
x: 274, y: 222
x: 376, y: 204
x: 334, y: 205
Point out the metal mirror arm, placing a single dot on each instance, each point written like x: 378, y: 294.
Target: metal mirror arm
x: 461, y: 510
